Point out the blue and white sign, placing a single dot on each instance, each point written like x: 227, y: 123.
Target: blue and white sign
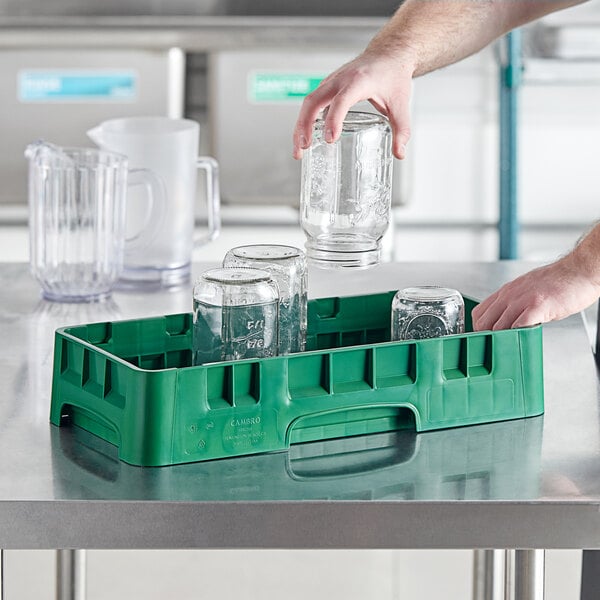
x: 76, y: 86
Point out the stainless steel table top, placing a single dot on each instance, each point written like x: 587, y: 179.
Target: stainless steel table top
x: 523, y: 483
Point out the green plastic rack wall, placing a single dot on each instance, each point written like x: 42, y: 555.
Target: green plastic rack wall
x: 132, y: 383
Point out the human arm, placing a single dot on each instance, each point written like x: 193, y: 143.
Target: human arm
x: 549, y: 293
x: 423, y: 35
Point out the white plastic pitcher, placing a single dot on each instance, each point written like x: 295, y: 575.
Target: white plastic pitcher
x: 168, y: 148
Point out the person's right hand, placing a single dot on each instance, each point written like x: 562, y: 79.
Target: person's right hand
x: 383, y: 80
x: 548, y: 293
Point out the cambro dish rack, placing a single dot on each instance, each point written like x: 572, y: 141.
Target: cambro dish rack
x: 132, y: 384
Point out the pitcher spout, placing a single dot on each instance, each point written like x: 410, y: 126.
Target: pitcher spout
x: 95, y: 134
x: 32, y: 149
x: 43, y: 150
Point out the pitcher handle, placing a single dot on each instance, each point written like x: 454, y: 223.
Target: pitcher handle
x: 157, y: 204
x: 213, y: 198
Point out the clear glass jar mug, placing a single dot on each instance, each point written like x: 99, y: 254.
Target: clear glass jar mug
x: 235, y: 315
x: 427, y: 312
x: 346, y: 192
x: 287, y: 266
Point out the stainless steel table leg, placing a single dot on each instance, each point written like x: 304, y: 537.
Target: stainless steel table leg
x: 590, y: 575
x: 524, y: 575
x: 1, y: 574
x: 70, y: 575
x: 488, y: 574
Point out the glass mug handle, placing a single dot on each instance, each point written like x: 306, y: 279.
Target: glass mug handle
x: 213, y: 198
x: 157, y: 204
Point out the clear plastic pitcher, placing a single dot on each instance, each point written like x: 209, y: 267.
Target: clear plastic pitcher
x: 168, y: 148
x: 346, y: 192
x: 77, y: 215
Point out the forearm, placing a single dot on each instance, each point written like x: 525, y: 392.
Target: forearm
x: 585, y: 257
x: 430, y: 34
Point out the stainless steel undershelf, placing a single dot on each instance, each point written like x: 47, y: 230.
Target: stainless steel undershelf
x: 193, y: 34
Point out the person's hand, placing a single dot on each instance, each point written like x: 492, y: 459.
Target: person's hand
x: 385, y: 81
x: 548, y: 293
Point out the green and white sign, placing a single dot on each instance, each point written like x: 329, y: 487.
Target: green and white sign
x: 281, y: 87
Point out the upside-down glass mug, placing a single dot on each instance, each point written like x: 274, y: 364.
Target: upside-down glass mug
x: 287, y: 266
x: 346, y: 192
x: 427, y: 311
x: 168, y: 148
x: 77, y: 213
x: 235, y: 315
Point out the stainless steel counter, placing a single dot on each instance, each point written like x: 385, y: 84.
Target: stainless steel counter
x: 529, y: 483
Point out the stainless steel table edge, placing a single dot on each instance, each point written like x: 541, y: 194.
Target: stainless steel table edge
x: 296, y: 525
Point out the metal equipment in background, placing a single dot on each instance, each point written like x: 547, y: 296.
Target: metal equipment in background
x: 58, y: 94
x: 254, y: 100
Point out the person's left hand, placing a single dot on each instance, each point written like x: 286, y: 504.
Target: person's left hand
x: 548, y: 293
x: 384, y: 80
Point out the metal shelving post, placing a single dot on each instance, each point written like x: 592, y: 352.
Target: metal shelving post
x: 511, y: 70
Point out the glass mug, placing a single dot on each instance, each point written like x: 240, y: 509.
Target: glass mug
x: 235, y: 315
x: 168, y: 148
x: 427, y: 312
x: 77, y: 213
x: 346, y: 192
x: 287, y: 266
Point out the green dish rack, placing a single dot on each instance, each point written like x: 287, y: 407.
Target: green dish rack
x: 132, y: 384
